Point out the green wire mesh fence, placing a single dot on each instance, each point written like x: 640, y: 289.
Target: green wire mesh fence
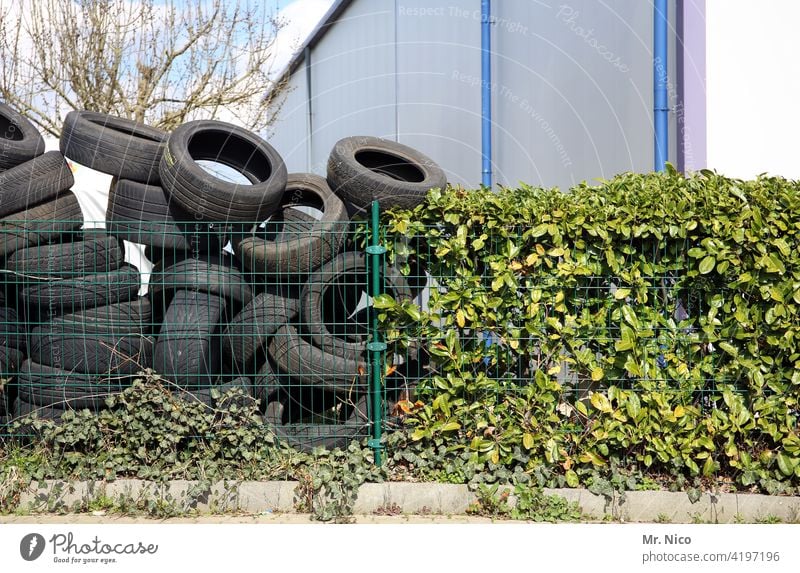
x: 479, y: 328
x: 280, y: 310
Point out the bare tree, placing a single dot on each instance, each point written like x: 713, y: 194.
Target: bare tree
x: 159, y: 62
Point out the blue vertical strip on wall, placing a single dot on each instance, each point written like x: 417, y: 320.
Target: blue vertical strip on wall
x: 660, y: 79
x: 486, y: 91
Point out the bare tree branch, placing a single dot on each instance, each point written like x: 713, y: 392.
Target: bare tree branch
x: 162, y: 62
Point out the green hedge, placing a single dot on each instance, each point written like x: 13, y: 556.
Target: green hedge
x: 650, y: 322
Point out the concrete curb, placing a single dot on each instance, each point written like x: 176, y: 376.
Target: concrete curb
x: 405, y: 498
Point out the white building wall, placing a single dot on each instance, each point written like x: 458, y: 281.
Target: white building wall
x: 289, y: 134
x: 352, y: 79
x: 572, y: 87
x: 439, y: 99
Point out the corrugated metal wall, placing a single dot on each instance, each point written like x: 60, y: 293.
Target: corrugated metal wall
x: 572, y: 87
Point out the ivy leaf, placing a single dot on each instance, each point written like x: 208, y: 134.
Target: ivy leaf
x: 622, y: 293
x: 597, y: 373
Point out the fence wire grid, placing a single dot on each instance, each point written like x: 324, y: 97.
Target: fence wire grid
x: 279, y: 309
x: 283, y: 310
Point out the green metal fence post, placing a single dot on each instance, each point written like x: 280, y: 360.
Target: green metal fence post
x: 376, y: 345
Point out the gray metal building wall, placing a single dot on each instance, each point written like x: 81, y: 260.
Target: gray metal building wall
x: 572, y: 87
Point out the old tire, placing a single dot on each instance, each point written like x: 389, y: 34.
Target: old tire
x: 46, y: 386
x: 214, y: 199
x: 120, y: 319
x: 113, y: 145
x: 36, y: 181
x: 210, y: 274
x: 365, y: 169
x: 10, y: 361
x: 299, y: 250
x: 187, y: 351
x: 249, y: 330
x: 54, y: 298
x: 67, y: 260
x: 90, y: 352
x: 328, y: 302
x: 20, y: 141
x: 284, y: 416
x: 23, y: 409
x: 143, y: 214
x: 12, y: 330
x: 45, y: 223
x: 312, y: 366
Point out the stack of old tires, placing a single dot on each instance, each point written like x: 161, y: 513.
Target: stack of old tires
x: 85, y: 326
x: 259, y: 281
x: 35, y: 207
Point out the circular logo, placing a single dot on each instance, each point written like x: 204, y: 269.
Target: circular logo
x: 31, y: 547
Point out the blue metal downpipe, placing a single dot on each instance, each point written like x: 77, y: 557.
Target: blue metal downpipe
x: 486, y: 91
x: 660, y: 81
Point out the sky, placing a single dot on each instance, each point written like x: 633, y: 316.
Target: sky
x: 301, y: 18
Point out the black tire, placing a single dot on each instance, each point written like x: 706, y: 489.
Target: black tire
x: 113, y: 145
x: 45, y: 223
x: 67, y: 260
x: 187, y: 351
x: 329, y: 300
x: 91, y: 350
x: 248, y: 331
x: 210, y: 274
x: 55, y: 298
x: 10, y: 361
x: 113, y: 320
x: 45, y: 386
x: 365, y: 169
x: 312, y: 366
x: 293, y: 224
x: 214, y: 199
x: 297, y: 249
x: 23, y: 409
x: 12, y: 330
x: 266, y: 384
x: 20, y: 141
x: 142, y: 214
x: 285, y: 413
x: 41, y: 179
